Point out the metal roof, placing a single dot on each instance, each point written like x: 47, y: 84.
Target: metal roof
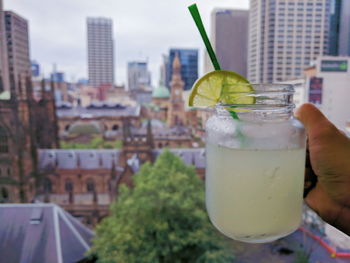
x: 33, y: 233
x: 105, y: 159
x: 98, y: 112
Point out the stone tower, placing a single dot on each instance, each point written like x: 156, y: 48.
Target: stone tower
x: 18, y: 157
x: 176, y: 112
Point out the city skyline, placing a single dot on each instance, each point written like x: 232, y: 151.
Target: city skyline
x: 63, y: 42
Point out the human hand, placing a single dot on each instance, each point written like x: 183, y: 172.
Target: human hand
x: 329, y: 151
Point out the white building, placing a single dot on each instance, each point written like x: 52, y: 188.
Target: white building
x: 139, y: 78
x: 284, y: 36
x: 100, y: 51
x: 328, y: 87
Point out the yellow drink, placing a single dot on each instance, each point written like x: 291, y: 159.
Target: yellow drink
x: 254, y: 195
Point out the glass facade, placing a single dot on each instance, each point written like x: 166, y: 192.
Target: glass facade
x: 334, y: 26
x: 189, y: 66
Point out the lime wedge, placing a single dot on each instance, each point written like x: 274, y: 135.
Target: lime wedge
x: 220, y: 86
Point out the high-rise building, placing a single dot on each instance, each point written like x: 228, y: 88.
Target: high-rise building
x: 229, y: 36
x: 100, y: 51
x: 328, y: 87
x: 35, y: 68
x: 4, y: 76
x: 189, y: 66
x: 344, y: 29
x: 339, y: 28
x: 57, y: 76
x: 139, y: 78
x: 284, y: 36
x: 17, y: 37
x: 163, y: 70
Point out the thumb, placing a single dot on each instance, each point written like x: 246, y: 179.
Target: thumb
x: 316, y: 124
x: 311, y: 116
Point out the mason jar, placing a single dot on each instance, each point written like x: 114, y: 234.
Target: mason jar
x: 255, y: 156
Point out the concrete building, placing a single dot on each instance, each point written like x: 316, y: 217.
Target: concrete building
x: 284, y: 36
x: 229, y: 37
x: 100, y: 51
x: 17, y: 37
x: 328, y: 88
x: 4, y: 76
x: 139, y: 77
x: 189, y: 66
x: 344, y: 28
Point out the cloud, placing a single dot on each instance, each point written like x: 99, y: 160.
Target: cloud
x: 142, y: 29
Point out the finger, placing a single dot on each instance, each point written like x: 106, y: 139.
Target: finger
x: 318, y: 127
x: 310, y: 116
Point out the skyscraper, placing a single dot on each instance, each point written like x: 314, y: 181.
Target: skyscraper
x: 189, y: 66
x: 229, y: 36
x: 284, y: 36
x: 4, y: 77
x: 17, y: 37
x: 100, y: 51
x: 138, y: 76
x: 344, y: 30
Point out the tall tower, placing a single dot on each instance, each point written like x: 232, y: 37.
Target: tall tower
x: 344, y: 30
x: 285, y: 36
x: 229, y: 35
x: 17, y: 37
x: 100, y: 51
x: 176, y: 112
x: 4, y: 76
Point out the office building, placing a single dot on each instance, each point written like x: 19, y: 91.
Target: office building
x: 339, y: 28
x: 163, y: 70
x: 100, y: 51
x: 35, y: 69
x: 57, y: 77
x: 139, y: 78
x: 284, y: 36
x: 4, y: 76
x: 229, y: 37
x: 328, y: 87
x: 189, y: 66
x: 344, y: 29
x: 17, y: 37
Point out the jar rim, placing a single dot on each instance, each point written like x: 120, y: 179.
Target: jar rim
x: 267, y: 98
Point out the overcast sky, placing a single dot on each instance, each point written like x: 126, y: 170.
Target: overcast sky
x: 142, y: 29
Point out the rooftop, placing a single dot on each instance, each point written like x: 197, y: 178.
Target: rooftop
x: 106, y: 159
x: 35, y: 233
x: 161, y: 92
x: 98, y: 110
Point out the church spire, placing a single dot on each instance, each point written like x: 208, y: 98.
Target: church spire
x: 176, y: 66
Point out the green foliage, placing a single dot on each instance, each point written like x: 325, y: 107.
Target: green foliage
x: 97, y: 142
x: 162, y: 219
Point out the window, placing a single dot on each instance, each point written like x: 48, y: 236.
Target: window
x: 90, y: 185
x: 4, y: 195
x: 68, y: 185
x: 47, y: 185
x: 115, y: 127
x: 4, y: 147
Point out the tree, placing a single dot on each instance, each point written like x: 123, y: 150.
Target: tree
x: 161, y: 219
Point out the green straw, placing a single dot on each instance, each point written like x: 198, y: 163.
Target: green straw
x: 197, y: 19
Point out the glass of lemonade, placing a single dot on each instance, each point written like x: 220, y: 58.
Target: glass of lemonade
x: 255, y: 166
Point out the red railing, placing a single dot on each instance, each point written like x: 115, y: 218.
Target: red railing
x: 332, y: 251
